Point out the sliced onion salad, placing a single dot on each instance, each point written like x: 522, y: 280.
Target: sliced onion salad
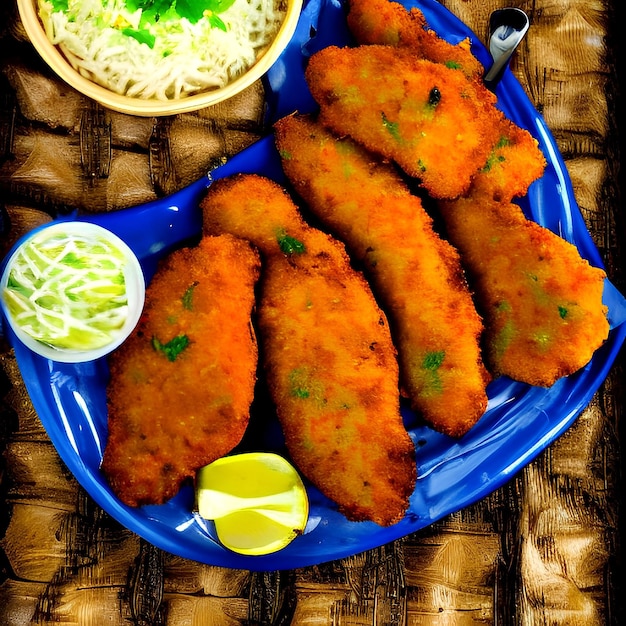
x: 66, y: 287
x: 162, y: 49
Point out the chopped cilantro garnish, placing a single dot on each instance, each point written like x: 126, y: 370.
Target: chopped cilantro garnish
x: 492, y: 160
x: 217, y: 22
x: 563, y: 312
x: 193, y: 10
x: 172, y: 348
x: 494, y: 157
x: 152, y: 10
x: 142, y: 36
x: 188, y: 296
x: 304, y: 386
x: 503, y: 142
x: 433, y: 360
x: 290, y: 245
x: 392, y: 127
x: 432, y: 383
x: 300, y: 392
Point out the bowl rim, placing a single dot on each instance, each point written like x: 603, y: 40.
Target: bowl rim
x: 135, y: 290
x: 28, y: 11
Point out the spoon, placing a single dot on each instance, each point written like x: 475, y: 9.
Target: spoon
x: 507, y: 28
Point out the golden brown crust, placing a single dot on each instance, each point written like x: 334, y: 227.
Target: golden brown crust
x: 168, y: 417
x: 389, y: 23
x: 330, y: 364
x: 417, y: 276
x: 515, y: 162
x: 434, y: 122
x: 541, y: 301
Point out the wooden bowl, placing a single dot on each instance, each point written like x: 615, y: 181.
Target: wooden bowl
x: 56, y: 60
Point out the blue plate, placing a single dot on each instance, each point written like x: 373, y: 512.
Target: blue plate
x: 519, y: 423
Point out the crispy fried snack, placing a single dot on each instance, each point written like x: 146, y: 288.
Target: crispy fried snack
x: 415, y: 274
x: 515, y: 160
x: 181, y: 386
x: 331, y: 366
x: 514, y: 163
x: 437, y: 125
x: 389, y: 23
x: 541, y: 301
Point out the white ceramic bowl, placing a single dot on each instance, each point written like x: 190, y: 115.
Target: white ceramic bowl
x: 134, y: 284
x: 151, y: 107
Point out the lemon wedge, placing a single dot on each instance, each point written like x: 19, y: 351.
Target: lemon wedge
x: 256, y: 500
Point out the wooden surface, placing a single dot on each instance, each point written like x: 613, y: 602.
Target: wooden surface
x: 543, y: 550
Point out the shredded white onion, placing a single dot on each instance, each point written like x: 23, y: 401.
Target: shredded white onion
x: 186, y: 58
x: 68, y: 291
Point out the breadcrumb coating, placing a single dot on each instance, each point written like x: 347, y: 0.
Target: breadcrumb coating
x: 328, y: 357
x: 541, y: 301
x: 389, y: 23
x: 435, y: 123
x: 515, y: 162
x: 416, y: 275
x: 181, y: 386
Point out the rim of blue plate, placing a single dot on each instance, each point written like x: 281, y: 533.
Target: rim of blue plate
x: 520, y: 422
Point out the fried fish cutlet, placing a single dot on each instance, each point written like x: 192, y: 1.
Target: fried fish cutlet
x: 434, y: 122
x: 515, y: 162
x: 388, y: 23
x: 181, y: 386
x: 334, y: 381
x: 328, y: 356
x: 542, y: 302
x: 416, y: 275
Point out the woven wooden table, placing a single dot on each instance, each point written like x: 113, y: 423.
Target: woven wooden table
x: 544, y: 549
